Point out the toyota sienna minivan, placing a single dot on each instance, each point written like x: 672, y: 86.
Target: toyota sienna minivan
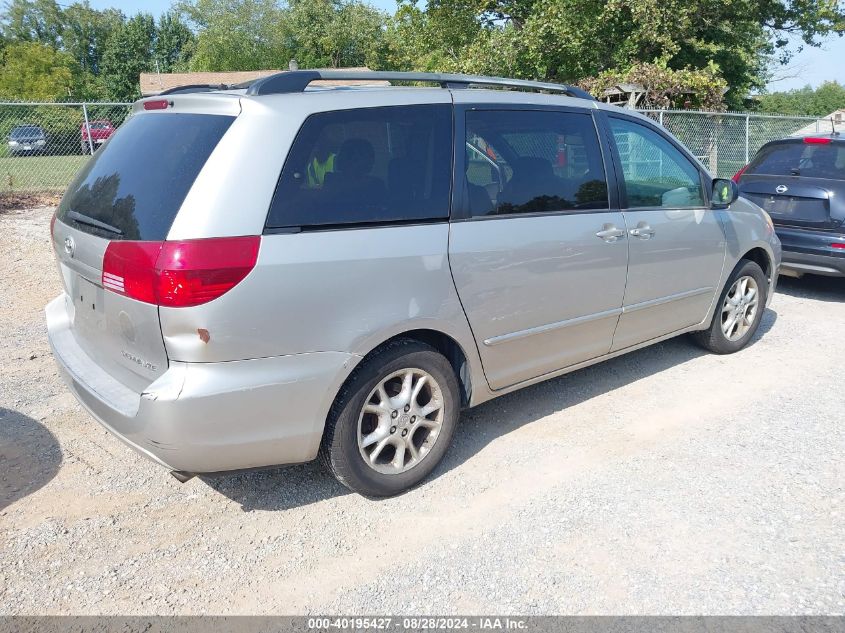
x: 260, y: 275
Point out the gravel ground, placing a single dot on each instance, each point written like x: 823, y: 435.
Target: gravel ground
x: 667, y: 481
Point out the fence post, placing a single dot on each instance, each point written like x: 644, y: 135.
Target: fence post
x: 661, y: 118
x: 747, y: 121
x: 88, y: 129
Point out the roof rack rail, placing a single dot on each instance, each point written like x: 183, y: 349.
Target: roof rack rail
x: 298, y: 80
x: 197, y: 88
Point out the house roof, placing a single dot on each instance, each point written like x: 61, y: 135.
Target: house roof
x: 153, y: 83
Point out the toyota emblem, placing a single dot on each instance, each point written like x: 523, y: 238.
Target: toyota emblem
x: 782, y: 189
x: 69, y: 245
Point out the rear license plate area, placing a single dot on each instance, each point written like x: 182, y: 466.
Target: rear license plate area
x: 88, y: 304
x: 797, y: 209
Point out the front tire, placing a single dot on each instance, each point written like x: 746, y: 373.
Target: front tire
x: 738, y: 312
x: 393, y: 420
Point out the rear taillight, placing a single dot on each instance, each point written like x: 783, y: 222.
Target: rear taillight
x: 738, y: 174
x: 129, y: 268
x: 52, y: 224
x: 838, y: 245
x: 178, y: 274
x: 813, y: 140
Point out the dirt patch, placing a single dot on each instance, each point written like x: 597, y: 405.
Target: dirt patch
x: 15, y: 201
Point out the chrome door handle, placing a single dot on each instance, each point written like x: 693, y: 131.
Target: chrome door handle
x: 643, y: 231
x: 609, y: 233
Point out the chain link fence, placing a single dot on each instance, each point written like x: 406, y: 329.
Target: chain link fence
x: 726, y: 141
x: 45, y: 144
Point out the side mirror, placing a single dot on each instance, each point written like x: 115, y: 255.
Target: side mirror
x: 724, y: 193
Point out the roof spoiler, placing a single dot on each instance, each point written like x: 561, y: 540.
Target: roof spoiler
x: 197, y: 88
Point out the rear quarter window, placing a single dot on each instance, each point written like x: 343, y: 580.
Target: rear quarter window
x: 138, y: 180
x: 800, y: 159
x: 365, y: 166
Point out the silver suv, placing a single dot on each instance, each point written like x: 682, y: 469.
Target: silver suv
x: 259, y: 275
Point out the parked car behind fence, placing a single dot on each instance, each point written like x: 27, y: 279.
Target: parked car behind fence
x: 50, y: 167
x: 94, y: 134
x: 26, y: 140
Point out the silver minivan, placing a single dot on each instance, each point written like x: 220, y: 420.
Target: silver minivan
x: 265, y: 274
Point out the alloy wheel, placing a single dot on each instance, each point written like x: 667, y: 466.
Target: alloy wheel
x: 400, y: 421
x: 740, y: 308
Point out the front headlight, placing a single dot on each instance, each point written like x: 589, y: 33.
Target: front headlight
x: 13, y: 142
x: 40, y: 142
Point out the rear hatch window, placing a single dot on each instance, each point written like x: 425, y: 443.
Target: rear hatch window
x: 810, y: 160
x: 795, y: 182
x: 133, y: 187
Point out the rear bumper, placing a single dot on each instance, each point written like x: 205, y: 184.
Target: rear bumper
x: 808, y: 251
x: 208, y: 417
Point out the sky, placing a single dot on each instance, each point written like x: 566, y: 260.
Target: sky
x: 811, y: 66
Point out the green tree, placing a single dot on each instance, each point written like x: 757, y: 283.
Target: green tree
x: 332, y: 33
x: 236, y: 34
x: 86, y: 31
x: 129, y: 52
x: 76, y: 29
x: 434, y: 38
x: 39, y: 21
x: 570, y: 40
x: 174, y: 43
x: 31, y: 71
x: 827, y: 98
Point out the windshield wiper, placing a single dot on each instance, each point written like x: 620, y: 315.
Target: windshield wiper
x: 85, y: 219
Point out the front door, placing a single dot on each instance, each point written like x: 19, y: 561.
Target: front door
x: 540, y: 255
x: 676, y: 243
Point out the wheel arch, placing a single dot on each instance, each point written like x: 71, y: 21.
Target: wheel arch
x: 759, y: 256
x: 443, y: 343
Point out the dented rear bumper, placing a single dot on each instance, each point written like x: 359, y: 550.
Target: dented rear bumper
x: 209, y: 417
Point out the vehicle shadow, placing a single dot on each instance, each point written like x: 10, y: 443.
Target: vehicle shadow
x: 30, y: 456
x: 813, y: 287
x: 300, y: 485
x: 282, y: 488
x: 501, y: 416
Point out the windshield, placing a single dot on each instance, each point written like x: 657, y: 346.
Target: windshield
x: 136, y: 183
x: 814, y: 160
x: 26, y: 131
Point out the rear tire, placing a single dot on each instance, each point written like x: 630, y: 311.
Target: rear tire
x: 738, y: 312
x: 393, y: 420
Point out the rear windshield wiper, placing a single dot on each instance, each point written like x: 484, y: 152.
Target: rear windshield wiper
x: 85, y: 219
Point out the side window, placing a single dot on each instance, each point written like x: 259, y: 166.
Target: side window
x: 366, y: 166
x: 527, y: 161
x: 655, y: 173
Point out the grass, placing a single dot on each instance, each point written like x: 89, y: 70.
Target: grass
x: 38, y: 173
